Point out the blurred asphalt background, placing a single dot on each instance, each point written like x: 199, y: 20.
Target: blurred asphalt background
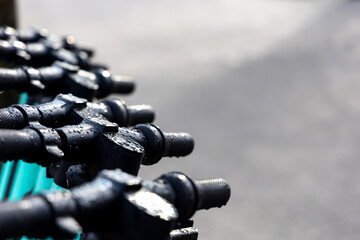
x: 270, y: 90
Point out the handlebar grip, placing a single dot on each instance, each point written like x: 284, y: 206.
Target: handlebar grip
x: 30, y: 217
x: 37, y: 51
x: 52, y: 76
x: 17, y: 144
x: 13, y: 79
x: 178, y: 144
x: 140, y: 114
x: 109, y: 83
x: 7, y: 50
x: 189, y: 195
x: 122, y: 84
x: 184, y: 233
x: 29, y: 35
x: 11, y: 118
x: 117, y: 111
x: 159, y: 144
x: 69, y: 42
x: 212, y: 193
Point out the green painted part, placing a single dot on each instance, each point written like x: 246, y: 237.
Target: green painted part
x: 23, y: 98
x: 42, y: 181
x: 5, y: 174
x: 24, y: 180
x: 54, y: 186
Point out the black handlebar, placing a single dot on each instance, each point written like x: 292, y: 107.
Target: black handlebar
x: 64, y: 78
x: 13, y: 79
x: 32, y: 217
x: 33, y: 47
x: 15, y: 144
x: 108, y: 203
x: 109, y: 83
x: 11, y: 118
x: 72, y: 130
x: 76, y: 140
x: 62, y: 109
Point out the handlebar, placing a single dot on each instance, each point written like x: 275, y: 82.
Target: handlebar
x: 64, y: 78
x: 109, y: 83
x: 15, y: 144
x: 115, y: 198
x: 31, y: 217
x: 193, y: 195
x: 95, y: 141
x: 58, y: 112
x: 24, y: 35
x: 35, y: 48
x: 11, y: 118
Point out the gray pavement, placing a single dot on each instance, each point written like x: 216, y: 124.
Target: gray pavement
x: 270, y: 91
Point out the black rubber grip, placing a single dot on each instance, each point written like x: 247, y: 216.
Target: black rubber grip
x: 189, y: 195
x: 6, y: 49
x: 160, y: 144
x: 117, y: 111
x: 31, y: 217
x: 122, y: 84
x: 52, y: 76
x: 37, y: 50
x: 18, y: 144
x: 212, y: 193
x: 109, y: 83
x: 189, y: 233
x: 178, y: 144
x: 11, y: 118
x: 140, y: 114
x: 13, y: 79
x: 28, y: 35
